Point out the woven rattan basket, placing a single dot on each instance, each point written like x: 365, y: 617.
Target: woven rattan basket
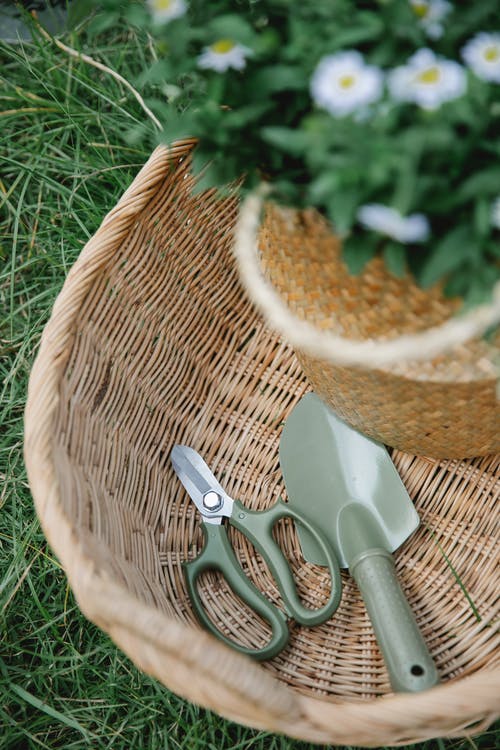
x: 153, y: 341
x: 395, y: 361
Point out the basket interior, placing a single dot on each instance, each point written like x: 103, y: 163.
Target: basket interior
x: 168, y: 349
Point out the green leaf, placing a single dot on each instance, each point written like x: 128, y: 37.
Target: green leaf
x: 323, y: 187
x: 292, y: 141
x: 136, y: 14
x: 357, y: 250
x: 200, y: 160
x: 394, y: 255
x: 437, y: 138
x: 450, y: 253
x: 137, y: 135
x: 174, y: 126
x: 213, y: 170
x: 405, y: 188
x: 474, y: 284
x: 342, y: 209
x: 275, y: 78
x: 239, y: 118
x: 216, y: 87
x: 368, y: 26
x: 493, y: 246
x: 485, y: 182
x: 317, y: 124
x: 267, y: 42
x: 458, y: 283
x: 157, y: 73
x: 482, y: 217
x: 231, y: 26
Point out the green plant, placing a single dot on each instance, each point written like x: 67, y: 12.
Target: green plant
x: 380, y: 114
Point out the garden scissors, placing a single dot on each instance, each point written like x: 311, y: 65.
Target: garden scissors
x: 215, y: 505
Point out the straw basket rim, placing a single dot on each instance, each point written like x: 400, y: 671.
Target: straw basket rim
x: 303, y: 335
x: 245, y: 692
x: 398, y: 362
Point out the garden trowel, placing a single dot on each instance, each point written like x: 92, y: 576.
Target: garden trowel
x: 347, y: 485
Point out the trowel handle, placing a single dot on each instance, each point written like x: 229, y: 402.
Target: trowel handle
x: 406, y: 656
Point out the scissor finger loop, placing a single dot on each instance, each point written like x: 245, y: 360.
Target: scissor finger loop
x: 215, y: 505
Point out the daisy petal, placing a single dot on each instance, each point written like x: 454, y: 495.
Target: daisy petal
x: 427, y: 80
x: 344, y: 84
x: 388, y: 221
x: 164, y: 11
x: 482, y: 55
x: 224, y: 54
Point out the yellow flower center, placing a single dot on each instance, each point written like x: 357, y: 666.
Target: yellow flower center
x: 492, y: 54
x: 222, y: 46
x: 162, y: 4
x: 421, y: 9
x: 345, y: 82
x: 431, y: 75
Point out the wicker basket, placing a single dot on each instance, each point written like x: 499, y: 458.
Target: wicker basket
x: 378, y: 348
x: 153, y: 341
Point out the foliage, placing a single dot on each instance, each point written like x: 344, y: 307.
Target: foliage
x: 430, y: 154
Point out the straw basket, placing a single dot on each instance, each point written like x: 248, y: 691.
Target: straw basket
x: 153, y: 341
x: 393, y: 360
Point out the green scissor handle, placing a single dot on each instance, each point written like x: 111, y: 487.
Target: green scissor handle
x: 218, y: 554
x: 258, y: 526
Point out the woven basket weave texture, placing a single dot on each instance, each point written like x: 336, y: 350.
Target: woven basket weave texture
x: 445, y: 406
x: 153, y: 341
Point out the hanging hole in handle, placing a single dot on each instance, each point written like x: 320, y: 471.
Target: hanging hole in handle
x: 417, y: 670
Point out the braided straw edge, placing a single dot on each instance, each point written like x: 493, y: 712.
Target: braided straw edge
x: 305, y: 337
x: 93, y: 590
x: 190, y: 662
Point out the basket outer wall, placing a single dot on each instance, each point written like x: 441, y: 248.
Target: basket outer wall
x: 445, y: 406
x: 425, y: 418
x: 186, y: 660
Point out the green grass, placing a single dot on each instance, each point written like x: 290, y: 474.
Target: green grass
x: 66, y: 159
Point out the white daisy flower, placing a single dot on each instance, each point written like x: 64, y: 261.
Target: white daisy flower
x: 495, y: 213
x: 224, y: 54
x: 482, y: 55
x: 430, y: 14
x: 427, y: 80
x: 388, y: 221
x: 164, y: 11
x: 343, y: 83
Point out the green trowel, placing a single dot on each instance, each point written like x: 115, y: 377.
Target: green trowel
x: 347, y: 485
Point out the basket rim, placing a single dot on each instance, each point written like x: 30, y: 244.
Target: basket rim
x: 259, y: 699
x: 304, y: 336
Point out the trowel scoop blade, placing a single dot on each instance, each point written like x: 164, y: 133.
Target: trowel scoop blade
x: 327, y: 465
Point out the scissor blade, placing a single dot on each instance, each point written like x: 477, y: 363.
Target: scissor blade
x: 199, y: 480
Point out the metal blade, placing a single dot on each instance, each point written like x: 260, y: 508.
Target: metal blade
x: 202, y: 486
x: 330, y: 471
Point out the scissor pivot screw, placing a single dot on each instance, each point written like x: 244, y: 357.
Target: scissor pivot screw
x: 212, y: 501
